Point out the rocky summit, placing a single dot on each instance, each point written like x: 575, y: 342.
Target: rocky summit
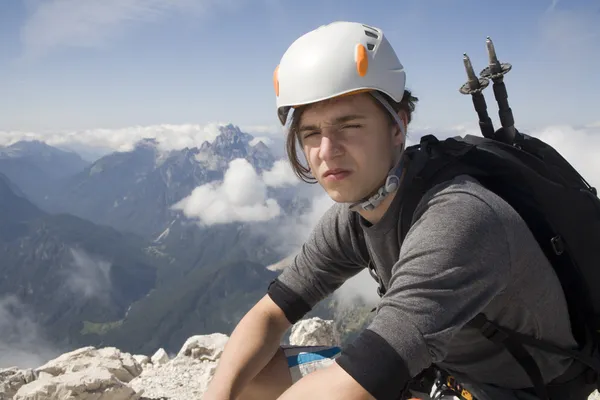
x: 91, y: 373
x: 107, y: 373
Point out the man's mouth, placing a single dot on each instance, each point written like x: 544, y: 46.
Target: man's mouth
x: 336, y: 174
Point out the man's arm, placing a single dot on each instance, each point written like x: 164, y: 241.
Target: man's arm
x: 323, y: 264
x: 330, y: 256
x: 251, y: 346
x: 454, y: 261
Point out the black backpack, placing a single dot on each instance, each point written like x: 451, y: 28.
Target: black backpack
x: 559, y: 206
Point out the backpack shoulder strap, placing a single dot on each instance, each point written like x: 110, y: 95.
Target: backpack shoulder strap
x: 364, y: 252
x: 514, y: 343
x: 515, y: 348
x: 431, y: 162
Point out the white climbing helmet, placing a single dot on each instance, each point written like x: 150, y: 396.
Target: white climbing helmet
x: 335, y: 59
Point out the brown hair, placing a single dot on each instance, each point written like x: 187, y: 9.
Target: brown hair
x: 407, y: 104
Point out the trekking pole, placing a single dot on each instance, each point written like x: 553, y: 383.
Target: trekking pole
x: 474, y: 86
x: 496, y: 71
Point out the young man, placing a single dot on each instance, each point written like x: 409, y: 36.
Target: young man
x: 467, y: 251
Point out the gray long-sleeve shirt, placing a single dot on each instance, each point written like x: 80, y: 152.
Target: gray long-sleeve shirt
x: 467, y: 252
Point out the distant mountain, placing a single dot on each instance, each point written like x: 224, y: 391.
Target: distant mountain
x: 68, y: 270
x: 212, y: 299
x: 36, y: 167
x: 87, y: 284
x: 205, y: 300
x: 87, y: 152
x: 114, y: 228
x: 134, y: 191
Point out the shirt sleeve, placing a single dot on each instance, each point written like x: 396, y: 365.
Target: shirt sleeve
x: 327, y: 259
x: 454, y: 261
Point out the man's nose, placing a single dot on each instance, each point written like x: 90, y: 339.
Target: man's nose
x: 329, y: 148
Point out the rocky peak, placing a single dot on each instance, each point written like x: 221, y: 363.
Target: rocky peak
x: 51, y: 161
x: 231, y: 135
x: 205, y: 146
x: 232, y: 143
x: 147, y: 145
x: 107, y: 373
x: 261, y: 147
x: 29, y: 148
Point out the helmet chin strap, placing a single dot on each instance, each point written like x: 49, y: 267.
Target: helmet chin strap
x: 392, y: 182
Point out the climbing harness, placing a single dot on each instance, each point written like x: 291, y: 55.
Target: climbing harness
x: 447, y: 385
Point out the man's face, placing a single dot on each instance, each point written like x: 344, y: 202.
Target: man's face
x: 349, y: 144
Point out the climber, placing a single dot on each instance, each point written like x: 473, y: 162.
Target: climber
x: 341, y: 88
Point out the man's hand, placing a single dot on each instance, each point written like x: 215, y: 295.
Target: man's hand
x: 331, y: 383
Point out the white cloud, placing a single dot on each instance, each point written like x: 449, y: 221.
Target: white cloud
x: 242, y: 197
x: 269, y: 130
x: 280, y: 175
x: 22, y: 341
x: 298, y: 230
x: 84, y: 23
x: 168, y: 137
x: 87, y: 276
x: 271, y: 135
x: 361, y: 286
x: 291, y: 231
x: 579, y: 146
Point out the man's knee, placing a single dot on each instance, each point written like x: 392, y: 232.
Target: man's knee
x: 271, y: 382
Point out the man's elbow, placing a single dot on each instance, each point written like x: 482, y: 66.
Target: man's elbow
x: 267, y: 307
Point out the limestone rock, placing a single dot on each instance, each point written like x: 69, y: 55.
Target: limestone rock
x: 93, y: 383
x: 11, y: 380
x: 122, y: 365
x: 160, y: 357
x: 141, y: 359
x: 44, y: 375
x: 182, y: 378
x: 314, y: 332
x: 204, y: 347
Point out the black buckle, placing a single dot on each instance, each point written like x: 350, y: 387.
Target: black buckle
x: 493, y: 332
x: 558, y: 245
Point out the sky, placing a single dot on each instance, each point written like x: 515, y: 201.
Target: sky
x: 74, y: 65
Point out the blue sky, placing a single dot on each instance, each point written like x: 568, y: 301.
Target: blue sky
x: 86, y: 64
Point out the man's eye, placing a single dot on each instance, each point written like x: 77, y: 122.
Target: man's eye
x: 355, y: 126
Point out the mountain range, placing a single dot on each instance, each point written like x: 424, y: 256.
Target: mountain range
x: 36, y: 167
x: 64, y: 270
x: 99, y: 256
